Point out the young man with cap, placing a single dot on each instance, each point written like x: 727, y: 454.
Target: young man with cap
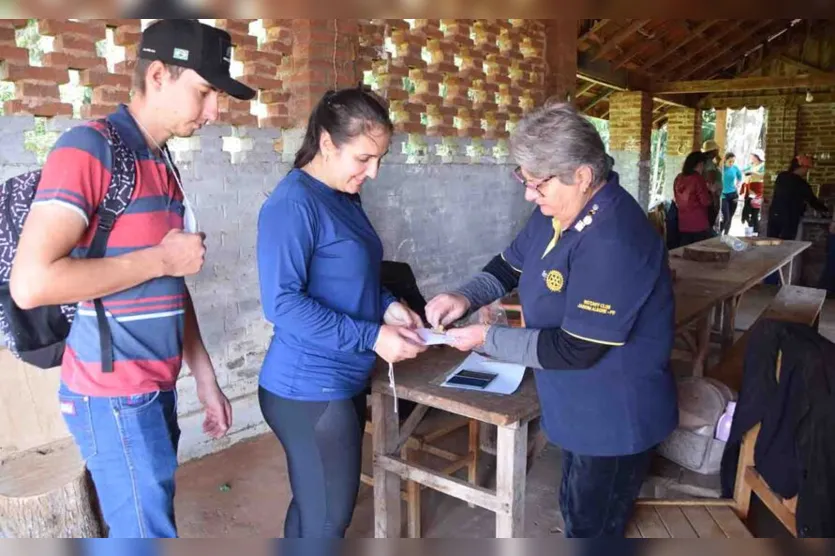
x: 125, y: 421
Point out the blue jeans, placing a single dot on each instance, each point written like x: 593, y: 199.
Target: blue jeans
x: 598, y: 494
x: 130, y: 447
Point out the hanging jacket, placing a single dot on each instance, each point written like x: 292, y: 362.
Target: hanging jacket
x: 795, y: 451
x: 692, y: 199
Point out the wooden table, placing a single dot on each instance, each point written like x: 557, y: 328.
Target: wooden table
x: 704, y: 288
x: 699, y: 289
x: 419, y: 381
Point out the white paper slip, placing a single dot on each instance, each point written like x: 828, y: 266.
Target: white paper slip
x: 508, y: 376
x: 431, y: 338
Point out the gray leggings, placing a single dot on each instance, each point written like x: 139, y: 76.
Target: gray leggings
x: 323, y: 443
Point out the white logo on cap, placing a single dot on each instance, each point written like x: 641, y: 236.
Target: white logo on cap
x: 228, y: 57
x: 181, y: 54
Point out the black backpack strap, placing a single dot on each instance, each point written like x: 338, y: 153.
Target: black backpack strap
x: 116, y: 200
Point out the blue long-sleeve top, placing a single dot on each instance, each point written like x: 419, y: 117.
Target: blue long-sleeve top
x: 319, y: 264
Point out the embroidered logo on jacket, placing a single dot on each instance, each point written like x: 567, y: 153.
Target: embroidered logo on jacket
x: 554, y: 280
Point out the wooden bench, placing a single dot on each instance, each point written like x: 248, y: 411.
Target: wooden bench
x: 722, y: 518
x: 726, y: 518
x: 791, y: 304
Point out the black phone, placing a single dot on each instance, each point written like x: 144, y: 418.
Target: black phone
x: 476, y: 379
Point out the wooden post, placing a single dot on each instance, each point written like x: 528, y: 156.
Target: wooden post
x: 511, y: 471
x: 472, y: 467
x: 46, y: 493
x: 721, y: 136
x: 385, y: 437
x: 729, y: 307
x: 561, y: 59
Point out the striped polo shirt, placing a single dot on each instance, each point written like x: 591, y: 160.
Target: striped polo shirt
x: 146, y: 321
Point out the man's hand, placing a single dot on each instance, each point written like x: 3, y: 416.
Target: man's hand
x: 469, y: 337
x: 182, y: 254
x: 218, y: 409
x: 399, y: 315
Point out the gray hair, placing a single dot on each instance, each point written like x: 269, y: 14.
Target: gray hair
x: 556, y: 140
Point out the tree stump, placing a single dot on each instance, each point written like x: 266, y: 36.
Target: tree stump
x: 707, y: 253
x: 46, y: 493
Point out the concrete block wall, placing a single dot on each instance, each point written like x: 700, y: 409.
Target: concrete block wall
x: 445, y: 214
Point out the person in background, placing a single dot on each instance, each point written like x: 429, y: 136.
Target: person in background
x: 731, y: 181
x: 752, y: 190
x: 596, y: 291
x: 693, y: 200
x: 713, y: 177
x: 319, y: 266
x: 792, y: 193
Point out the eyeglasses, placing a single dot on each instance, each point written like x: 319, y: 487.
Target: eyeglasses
x: 517, y: 173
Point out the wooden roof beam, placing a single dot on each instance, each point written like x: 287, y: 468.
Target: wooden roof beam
x: 745, y: 84
x: 733, y: 56
x: 591, y: 32
x: 731, y: 46
x: 769, y: 50
x: 689, y: 57
x: 597, y: 100
x: 645, y: 45
x: 766, y: 100
x: 694, y: 34
x: 619, y: 37
x: 585, y: 89
x: 803, y: 65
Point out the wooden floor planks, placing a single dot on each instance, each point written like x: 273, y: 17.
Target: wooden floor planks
x: 686, y: 522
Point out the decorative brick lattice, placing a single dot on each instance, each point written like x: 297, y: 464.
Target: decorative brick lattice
x: 443, y: 77
x: 455, y: 77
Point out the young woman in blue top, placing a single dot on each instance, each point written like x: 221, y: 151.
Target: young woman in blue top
x: 319, y: 264
x: 731, y: 182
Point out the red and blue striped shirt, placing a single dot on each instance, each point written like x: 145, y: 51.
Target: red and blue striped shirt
x: 146, y: 321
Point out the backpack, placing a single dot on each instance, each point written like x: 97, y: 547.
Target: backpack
x: 37, y: 336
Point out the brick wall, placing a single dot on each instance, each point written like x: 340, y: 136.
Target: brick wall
x: 630, y: 133
x: 816, y: 136
x: 444, y: 200
x: 444, y: 77
x: 780, y: 142
x: 683, y: 135
x: 455, y: 77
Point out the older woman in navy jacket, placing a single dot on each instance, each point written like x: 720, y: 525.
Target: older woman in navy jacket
x: 596, y: 293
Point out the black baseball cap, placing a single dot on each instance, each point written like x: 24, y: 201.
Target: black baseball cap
x: 191, y: 44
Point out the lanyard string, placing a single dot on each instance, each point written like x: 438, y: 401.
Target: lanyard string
x: 393, y: 386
